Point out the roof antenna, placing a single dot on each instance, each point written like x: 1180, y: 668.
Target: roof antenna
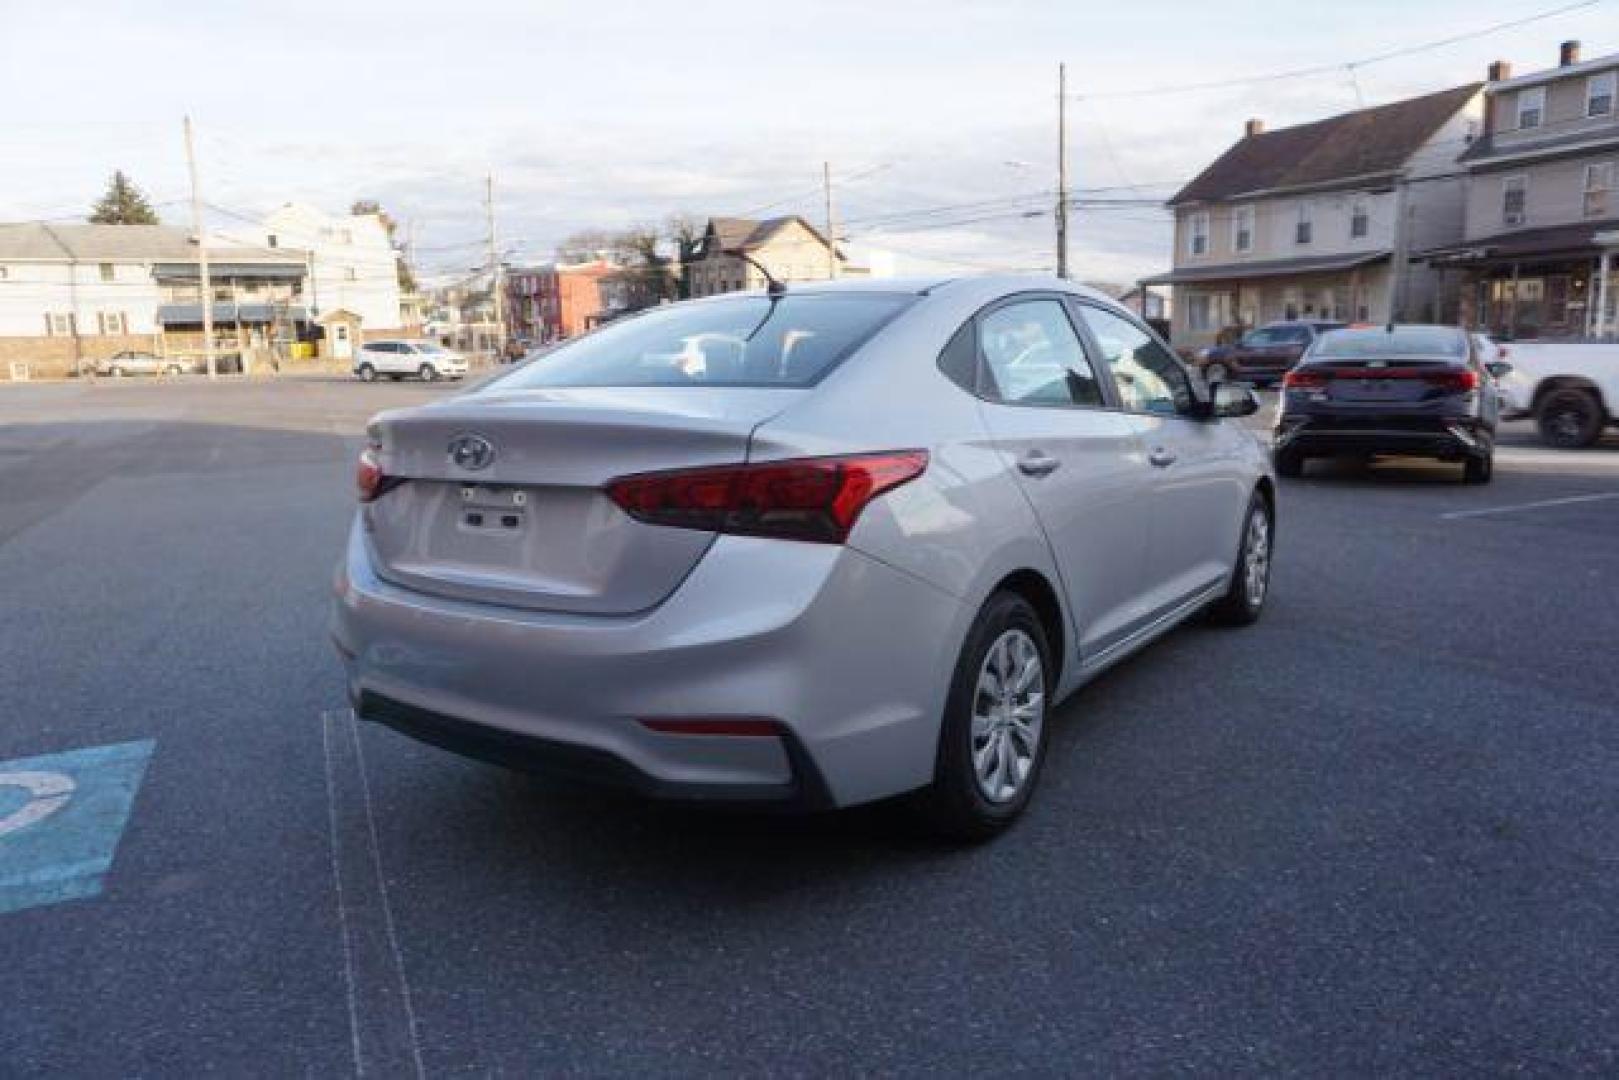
x: 774, y: 288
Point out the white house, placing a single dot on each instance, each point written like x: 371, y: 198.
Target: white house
x: 352, y: 264
x: 70, y: 292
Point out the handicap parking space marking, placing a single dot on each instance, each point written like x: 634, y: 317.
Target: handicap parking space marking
x: 61, y: 817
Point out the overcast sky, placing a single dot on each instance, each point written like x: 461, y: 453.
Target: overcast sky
x: 611, y: 113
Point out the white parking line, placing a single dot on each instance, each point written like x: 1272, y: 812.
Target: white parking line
x: 1541, y: 504
x: 384, y: 1037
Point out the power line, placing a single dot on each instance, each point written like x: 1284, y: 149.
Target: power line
x: 1351, y: 65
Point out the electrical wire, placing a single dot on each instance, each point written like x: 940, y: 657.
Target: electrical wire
x: 1333, y: 68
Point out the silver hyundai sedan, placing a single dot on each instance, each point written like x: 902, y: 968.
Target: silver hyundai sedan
x: 816, y: 546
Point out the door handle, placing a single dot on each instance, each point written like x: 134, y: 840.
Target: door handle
x: 1160, y: 457
x: 1037, y: 463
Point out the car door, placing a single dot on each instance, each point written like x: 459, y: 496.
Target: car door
x: 1074, y: 455
x: 1198, y: 464
x: 385, y: 355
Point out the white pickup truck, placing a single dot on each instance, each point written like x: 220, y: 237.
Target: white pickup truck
x: 1571, y: 390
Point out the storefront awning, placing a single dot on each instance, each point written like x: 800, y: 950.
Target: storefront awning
x: 191, y: 314
x: 1583, y: 238
x: 1319, y: 264
x: 220, y: 271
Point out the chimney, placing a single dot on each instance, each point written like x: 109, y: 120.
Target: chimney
x: 1500, y: 71
x: 1568, y: 53
x: 1254, y: 126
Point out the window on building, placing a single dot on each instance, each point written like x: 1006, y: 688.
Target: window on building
x: 1599, y: 93
x: 1531, y: 107
x: 1304, y: 230
x: 106, y: 272
x: 1200, y: 313
x: 1242, y: 229
x: 1599, y: 184
x: 1197, y: 233
x: 1514, y: 196
x: 274, y: 240
x: 113, y: 323
x: 1360, y: 221
x: 58, y: 325
x: 5, y: 272
x: 351, y: 274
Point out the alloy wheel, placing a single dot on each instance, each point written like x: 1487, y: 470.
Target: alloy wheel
x: 1256, y: 559
x: 1009, y: 711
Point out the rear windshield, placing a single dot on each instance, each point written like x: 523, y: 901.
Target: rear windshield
x: 749, y: 341
x: 1402, y: 341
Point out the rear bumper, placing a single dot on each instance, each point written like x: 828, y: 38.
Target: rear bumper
x: 850, y: 656
x: 1422, y: 437
x: 804, y: 788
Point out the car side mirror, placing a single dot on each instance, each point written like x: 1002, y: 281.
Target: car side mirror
x: 1232, y: 400
x: 1498, y: 369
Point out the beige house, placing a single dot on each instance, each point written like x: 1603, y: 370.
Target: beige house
x: 1540, y: 253
x: 1318, y: 221
x: 789, y: 247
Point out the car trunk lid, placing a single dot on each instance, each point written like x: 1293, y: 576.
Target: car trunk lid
x: 527, y: 524
x: 1384, y: 381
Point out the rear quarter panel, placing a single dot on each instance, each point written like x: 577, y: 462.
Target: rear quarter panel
x: 963, y: 525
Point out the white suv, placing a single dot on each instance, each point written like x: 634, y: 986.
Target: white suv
x: 397, y: 359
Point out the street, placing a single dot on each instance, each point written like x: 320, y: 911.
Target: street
x: 1375, y: 833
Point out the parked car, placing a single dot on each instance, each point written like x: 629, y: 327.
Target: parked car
x: 426, y: 360
x: 1571, y: 390
x: 1394, y: 390
x: 860, y: 546
x: 1493, y: 355
x: 1263, y: 356
x: 139, y: 362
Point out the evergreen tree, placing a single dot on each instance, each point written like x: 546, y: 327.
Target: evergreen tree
x: 123, y: 204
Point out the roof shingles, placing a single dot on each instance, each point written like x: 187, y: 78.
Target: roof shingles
x: 1367, y: 142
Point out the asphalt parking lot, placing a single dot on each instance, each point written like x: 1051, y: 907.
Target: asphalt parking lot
x: 1378, y: 832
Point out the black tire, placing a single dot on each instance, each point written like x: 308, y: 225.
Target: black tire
x: 1289, y: 463
x: 954, y: 805
x: 427, y: 373
x: 366, y: 372
x: 1241, y: 605
x: 1479, y: 468
x: 117, y: 372
x: 1569, y: 419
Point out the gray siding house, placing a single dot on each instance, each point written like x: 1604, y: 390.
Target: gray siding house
x: 1318, y: 221
x: 1540, y: 250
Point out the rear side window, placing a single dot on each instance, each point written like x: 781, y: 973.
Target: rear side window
x: 959, y: 360
x: 1399, y: 341
x: 1032, y: 356
x: 788, y: 341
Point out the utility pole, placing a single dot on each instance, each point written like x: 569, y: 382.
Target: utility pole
x: 494, y: 268
x: 831, y: 224
x: 205, y: 279
x: 1062, y: 170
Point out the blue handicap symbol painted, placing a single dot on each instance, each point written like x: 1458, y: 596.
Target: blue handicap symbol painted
x: 60, y: 819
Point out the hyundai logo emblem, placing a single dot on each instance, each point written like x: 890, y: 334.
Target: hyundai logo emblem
x: 471, y: 452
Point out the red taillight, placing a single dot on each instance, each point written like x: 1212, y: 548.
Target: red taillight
x: 368, y: 476
x: 1455, y: 381
x: 744, y: 726
x: 369, y: 479
x: 1304, y: 379
x: 816, y: 499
